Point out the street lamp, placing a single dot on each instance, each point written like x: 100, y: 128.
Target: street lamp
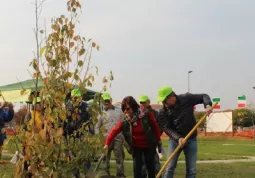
x: 253, y: 121
x: 189, y: 72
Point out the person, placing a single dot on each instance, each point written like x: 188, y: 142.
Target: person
x: 76, y: 118
x: 145, y: 106
x: 35, y: 116
x: 33, y: 122
x: 141, y: 132
x: 78, y: 114
x: 6, y: 115
x: 110, y: 117
x: 176, y: 119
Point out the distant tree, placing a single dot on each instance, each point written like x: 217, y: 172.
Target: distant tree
x: 243, y: 117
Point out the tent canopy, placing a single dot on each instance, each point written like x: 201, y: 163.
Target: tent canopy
x: 12, y: 92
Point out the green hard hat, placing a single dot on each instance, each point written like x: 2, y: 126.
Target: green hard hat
x: 106, y: 96
x: 143, y: 98
x: 76, y: 92
x: 163, y: 92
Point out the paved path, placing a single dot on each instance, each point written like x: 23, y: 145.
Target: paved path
x: 248, y: 159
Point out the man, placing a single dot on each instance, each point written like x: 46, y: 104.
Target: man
x: 77, y: 116
x: 109, y: 119
x: 146, y: 107
x: 6, y: 115
x: 176, y: 119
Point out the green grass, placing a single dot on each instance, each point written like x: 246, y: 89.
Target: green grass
x: 209, y: 148
x: 233, y: 170
x: 6, y: 170
x: 219, y: 148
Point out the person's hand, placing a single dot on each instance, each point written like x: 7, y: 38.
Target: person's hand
x: 208, y: 110
x: 106, y: 147
x: 182, y: 142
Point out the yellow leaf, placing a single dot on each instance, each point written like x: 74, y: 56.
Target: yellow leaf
x: 61, y: 21
x: 98, y: 47
x: 42, y: 51
x: 81, y: 52
x: 22, y: 92
x: 105, y: 80
x: 80, y: 63
x: 71, y: 44
x: 105, y: 88
x: 76, y: 38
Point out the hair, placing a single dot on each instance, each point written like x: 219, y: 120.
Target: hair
x: 129, y: 100
x: 170, y: 95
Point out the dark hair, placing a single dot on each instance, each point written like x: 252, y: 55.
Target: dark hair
x: 170, y: 95
x: 129, y: 100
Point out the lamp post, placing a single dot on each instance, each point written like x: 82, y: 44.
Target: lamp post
x: 189, y: 72
x: 253, y: 121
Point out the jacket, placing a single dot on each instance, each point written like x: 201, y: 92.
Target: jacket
x: 78, y: 116
x: 138, y: 135
x: 109, y: 119
x: 5, y: 116
x: 179, y: 120
x: 154, y: 112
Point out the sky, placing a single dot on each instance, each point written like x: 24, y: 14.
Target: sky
x: 148, y: 44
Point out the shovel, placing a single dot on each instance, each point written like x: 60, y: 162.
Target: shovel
x: 179, y: 146
x: 94, y: 173
x: 99, y: 162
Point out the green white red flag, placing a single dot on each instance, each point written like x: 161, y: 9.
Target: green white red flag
x: 218, y: 101
x: 241, y: 101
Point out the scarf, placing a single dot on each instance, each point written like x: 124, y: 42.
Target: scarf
x: 135, y: 117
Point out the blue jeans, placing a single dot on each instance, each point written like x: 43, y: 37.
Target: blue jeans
x: 190, y: 152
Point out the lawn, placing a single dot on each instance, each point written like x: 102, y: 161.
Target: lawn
x: 210, y: 148
x: 219, y: 148
x: 233, y: 170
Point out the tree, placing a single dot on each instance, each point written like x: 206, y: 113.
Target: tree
x: 62, y: 60
x: 243, y: 117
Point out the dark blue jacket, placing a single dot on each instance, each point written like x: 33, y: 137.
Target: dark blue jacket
x: 5, y: 116
x: 74, y: 124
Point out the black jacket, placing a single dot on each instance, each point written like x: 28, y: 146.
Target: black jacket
x: 154, y: 112
x: 179, y: 120
x: 74, y: 124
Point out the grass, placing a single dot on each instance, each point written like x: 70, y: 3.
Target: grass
x: 233, y: 170
x: 219, y: 148
x: 209, y: 148
x: 6, y: 170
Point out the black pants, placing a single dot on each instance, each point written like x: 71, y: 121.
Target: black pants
x: 149, y: 155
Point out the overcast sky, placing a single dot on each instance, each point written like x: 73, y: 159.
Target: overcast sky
x: 148, y: 44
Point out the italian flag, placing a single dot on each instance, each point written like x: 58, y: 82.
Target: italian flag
x: 242, y: 101
x: 217, y: 100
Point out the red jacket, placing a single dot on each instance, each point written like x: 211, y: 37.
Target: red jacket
x: 139, y: 139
